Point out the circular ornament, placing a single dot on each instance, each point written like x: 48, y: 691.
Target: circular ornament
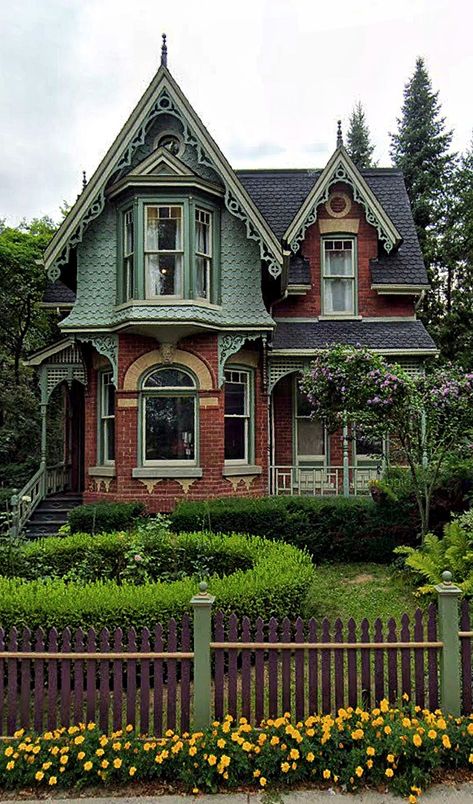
x: 171, y: 141
x: 338, y: 205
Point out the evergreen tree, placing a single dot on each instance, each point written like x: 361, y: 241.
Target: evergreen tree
x: 359, y: 144
x: 420, y: 147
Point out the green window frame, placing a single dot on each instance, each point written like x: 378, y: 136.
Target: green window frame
x: 239, y: 411
x: 339, y: 263
x: 168, y: 422
x: 196, y: 249
x: 106, y: 418
x: 302, y: 418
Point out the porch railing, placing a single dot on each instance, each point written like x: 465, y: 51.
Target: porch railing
x: 47, y: 480
x: 321, y: 480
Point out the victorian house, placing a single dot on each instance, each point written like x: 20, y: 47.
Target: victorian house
x: 192, y: 296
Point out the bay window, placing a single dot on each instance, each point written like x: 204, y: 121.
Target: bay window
x: 237, y: 415
x: 169, y: 250
x: 168, y: 417
x: 338, y: 276
x: 106, y: 418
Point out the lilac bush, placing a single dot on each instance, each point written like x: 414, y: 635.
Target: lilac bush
x: 427, y: 416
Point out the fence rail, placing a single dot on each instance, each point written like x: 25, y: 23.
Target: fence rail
x: 163, y: 678
x: 321, y: 480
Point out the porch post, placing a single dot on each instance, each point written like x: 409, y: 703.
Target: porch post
x: 44, y: 411
x: 423, y: 424
x: 346, y: 463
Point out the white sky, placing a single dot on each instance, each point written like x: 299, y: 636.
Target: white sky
x: 269, y: 78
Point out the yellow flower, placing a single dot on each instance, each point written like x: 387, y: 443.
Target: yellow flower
x: 412, y: 799
x: 132, y: 771
x: 52, y: 780
x: 294, y: 753
x: 256, y: 773
x: 274, y: 740
x: 64, y: 759
x: 446, y: 741
x: 8, y: 751
x: 470, y: 728
x: 91, y: 726
x: 100, y: 752
x: 389, y: 772
x: 212, y: 760
x: 384, y: 705
x: 116, y: 746
x: 39, y: 775
x: 310, y: 757
x: 262, y: 781
x: 88, y: 765
x: 359, y: 771
x: 369, y: 763
x: 221, y: 743
x: 441, y: 724
x: 470, y: 759
x: 358, y: 734
x: 195, y: 790
x: 390, y: 758
x: 81, y: 755
x: 225, y: 760
x: 10, y: 765
x: 79, y: 739
x: 46, y: 765
x: 192, y: 751
x: 387, y: 729
x: 326, y: 773
x: 432, y: 734
x: 285, y: 767
x: 417, y: 740
x: 370, y: 751
x: 105, y: 763
x: 247, y: 746
x: 130, y: 728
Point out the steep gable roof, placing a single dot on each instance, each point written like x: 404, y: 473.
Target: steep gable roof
x: 163, y: 96
x: 341, y: 168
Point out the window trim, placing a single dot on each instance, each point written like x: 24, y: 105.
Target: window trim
x: 319, y: 460
x: 101, y: 418
x: 207, y: 257
x: 168, y: 391
x: 323, y: 276
x: 176, y: 252
x: 189, y: 204
x: 250, y: 418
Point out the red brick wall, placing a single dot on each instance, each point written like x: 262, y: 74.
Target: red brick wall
x: 166, y: 493
x: 283, y: 416
x: 370, y: 304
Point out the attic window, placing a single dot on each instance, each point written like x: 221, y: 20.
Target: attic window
x: 171, y: 141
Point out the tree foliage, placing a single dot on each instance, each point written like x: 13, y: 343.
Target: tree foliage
x: 359, y: 144
x: 426, y: 416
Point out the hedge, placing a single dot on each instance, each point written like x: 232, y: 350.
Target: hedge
x: 330, y: 528
x: 104, y: 517
x: 349, y: 751
x: 275, y: 585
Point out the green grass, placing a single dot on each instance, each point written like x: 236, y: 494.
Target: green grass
x: 358, y: 591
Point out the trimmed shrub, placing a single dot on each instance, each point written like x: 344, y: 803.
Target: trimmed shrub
x: 330, y: 528
x: 274, y: 585
x: 105, y: 517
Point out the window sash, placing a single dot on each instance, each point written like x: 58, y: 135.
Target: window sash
x: 128, y: 241
x: 158, y: 260
x: 162, y: 395
x: 238, y: 377
x: 203, y: 252
x: 107, y: 418
x: 339, y: 283
x: 303, y: 416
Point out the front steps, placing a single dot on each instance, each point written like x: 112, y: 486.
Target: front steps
x: 51, y: 514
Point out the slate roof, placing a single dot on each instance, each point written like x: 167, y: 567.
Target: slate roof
x: 58, y: 293
x: 299, y: 271
x: 279, y: 194
x: 371, y: 334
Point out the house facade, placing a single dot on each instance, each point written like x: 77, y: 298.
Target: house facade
x: 193, y: 295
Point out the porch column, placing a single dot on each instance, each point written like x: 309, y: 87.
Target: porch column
x: 425, y: 456
x: 44, y: 432
x: 346, y: 462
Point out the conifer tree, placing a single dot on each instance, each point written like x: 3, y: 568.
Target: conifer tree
x: 359, y: 144
x: 421, y: 148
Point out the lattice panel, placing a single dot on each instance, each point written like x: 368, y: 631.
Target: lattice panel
x: 280, y: 366
x: 412, y: 366
x: 56, y: 375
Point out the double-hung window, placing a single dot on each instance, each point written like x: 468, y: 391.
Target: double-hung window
x: 169, y: 417
x: 237, y: 416
x: 163, y: 250
x: 338, y: 273
x: 203, y: 253
x: 128, y: 254
x: 310, y: 433
x: 107, y: 417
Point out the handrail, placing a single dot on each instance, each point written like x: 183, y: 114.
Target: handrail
x: 321, y: 645
x: 47, y: 480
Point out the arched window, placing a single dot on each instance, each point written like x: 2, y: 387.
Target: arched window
x: 169, y: 411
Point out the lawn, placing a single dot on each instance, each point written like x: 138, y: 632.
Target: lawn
x: 360, y: 590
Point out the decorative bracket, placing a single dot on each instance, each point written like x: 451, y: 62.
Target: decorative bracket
x: 106, y: 345
x: 229, y: 344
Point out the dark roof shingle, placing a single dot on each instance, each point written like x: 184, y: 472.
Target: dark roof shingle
x: 58, y: 293
x: 370, y: 334
x: 279, y: 194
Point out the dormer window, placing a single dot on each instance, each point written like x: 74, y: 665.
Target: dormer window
x: 169, y: 251
x: 338, y: 276
x: 163, y: 251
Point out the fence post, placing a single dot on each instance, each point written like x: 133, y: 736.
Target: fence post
x: 202, y: 605
x: 450, y: 677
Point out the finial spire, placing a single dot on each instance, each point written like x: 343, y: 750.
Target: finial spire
x: 164, y: 52
x: 339, y: 134
x: 84, y: 180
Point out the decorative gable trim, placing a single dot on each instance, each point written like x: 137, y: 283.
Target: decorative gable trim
x: 163, y: 96
x: 341, y: 168
x: 162, y: 161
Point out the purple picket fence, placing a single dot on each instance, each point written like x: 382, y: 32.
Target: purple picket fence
x: 466, y: 663
x: 259, y: 672
x: 112, y: 679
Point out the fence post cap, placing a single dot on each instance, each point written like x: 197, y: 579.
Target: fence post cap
x: 202, y: 598
x: 447, y: 587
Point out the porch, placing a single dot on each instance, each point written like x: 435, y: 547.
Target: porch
x: 328, y: 481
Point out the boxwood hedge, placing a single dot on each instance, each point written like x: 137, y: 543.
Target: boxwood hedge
x: 105, y: 517
x: 275, y: 584
x: 330, y: 528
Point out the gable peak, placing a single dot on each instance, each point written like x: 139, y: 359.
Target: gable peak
x: 339, y: 134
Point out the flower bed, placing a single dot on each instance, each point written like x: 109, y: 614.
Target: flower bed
x: 397, y: 747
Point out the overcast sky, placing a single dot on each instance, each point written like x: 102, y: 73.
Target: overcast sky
x: 269, y: 78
